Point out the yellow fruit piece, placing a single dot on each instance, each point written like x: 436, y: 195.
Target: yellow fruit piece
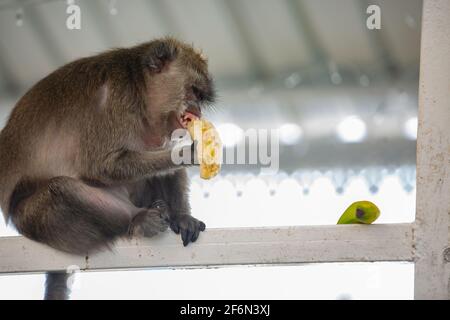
x: 209, y: 147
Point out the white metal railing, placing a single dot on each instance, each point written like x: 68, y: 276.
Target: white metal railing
x: 218, y: 247
x: 433, y: 154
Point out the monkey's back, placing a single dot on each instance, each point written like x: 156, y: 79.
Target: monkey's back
x: 64, y: 119
x: 41, y: 137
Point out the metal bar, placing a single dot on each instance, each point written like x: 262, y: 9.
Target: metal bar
x: 305, y: 27
x: 10, y: 82
x: 220, y: 247
x: 165, y: 18
x: 236, y: 18
x: 105, y: 28
x: 42, y: 32
x: 16, y: 4
x: 433, y: 154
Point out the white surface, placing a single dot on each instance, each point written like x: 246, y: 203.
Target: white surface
x: 433, y: 153
x: 344, y: 243
x: 383, y: 280
x: 290, y: 207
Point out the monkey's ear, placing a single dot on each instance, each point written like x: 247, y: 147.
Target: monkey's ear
x: 159, y: 55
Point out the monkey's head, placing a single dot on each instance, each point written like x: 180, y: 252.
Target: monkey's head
x: 178, y: 84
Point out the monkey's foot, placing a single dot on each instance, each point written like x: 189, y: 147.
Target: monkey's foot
x: 188, y: 226
x: 149, y: 223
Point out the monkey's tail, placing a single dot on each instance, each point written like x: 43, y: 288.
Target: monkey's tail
x: 57, y: 286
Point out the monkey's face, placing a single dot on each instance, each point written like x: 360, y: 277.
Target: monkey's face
x: 179, y: 89
x: 197, y: 96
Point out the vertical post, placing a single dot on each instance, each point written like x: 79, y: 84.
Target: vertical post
x: 433, y: 154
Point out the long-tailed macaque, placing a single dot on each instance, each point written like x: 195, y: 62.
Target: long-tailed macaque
x: 85, y: 158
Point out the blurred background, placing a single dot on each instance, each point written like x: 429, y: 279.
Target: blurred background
x: 343, y: 97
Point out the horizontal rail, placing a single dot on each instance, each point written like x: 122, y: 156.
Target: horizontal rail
x: 220, y: 247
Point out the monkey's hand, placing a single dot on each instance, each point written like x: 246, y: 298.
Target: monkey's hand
x: 150, y: 222
x: 190, y: 152
x: 188, y: 226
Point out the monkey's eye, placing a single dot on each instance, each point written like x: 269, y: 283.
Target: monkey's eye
x: 198, y: 93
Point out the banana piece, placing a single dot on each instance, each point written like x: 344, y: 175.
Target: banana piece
x: 364, y: 212
x: 209, y: 147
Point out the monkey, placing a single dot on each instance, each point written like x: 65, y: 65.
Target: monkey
x: 85, y: 155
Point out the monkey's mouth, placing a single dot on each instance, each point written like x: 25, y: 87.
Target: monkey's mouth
x: 190, y: 114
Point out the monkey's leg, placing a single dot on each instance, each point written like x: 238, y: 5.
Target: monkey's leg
x: 72, y: 216
x: 173, y: 189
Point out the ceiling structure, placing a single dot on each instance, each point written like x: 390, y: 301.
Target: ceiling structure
x: 310, y: 62
x: 252, y: 39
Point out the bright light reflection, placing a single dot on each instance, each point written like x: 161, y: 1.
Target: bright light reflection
x: 351, y: 130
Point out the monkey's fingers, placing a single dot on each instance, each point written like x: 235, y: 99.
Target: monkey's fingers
x: 188, y: 232
x: 148, y: 223
x: 175, y: 227
x: 186, y: 236
x: 189, y: 228
x: 196, y: 234
x: 159, y: 204
x: 193, y: 232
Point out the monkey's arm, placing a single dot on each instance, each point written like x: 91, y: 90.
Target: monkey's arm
x: 127, y: 165
x: 173, y: 189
